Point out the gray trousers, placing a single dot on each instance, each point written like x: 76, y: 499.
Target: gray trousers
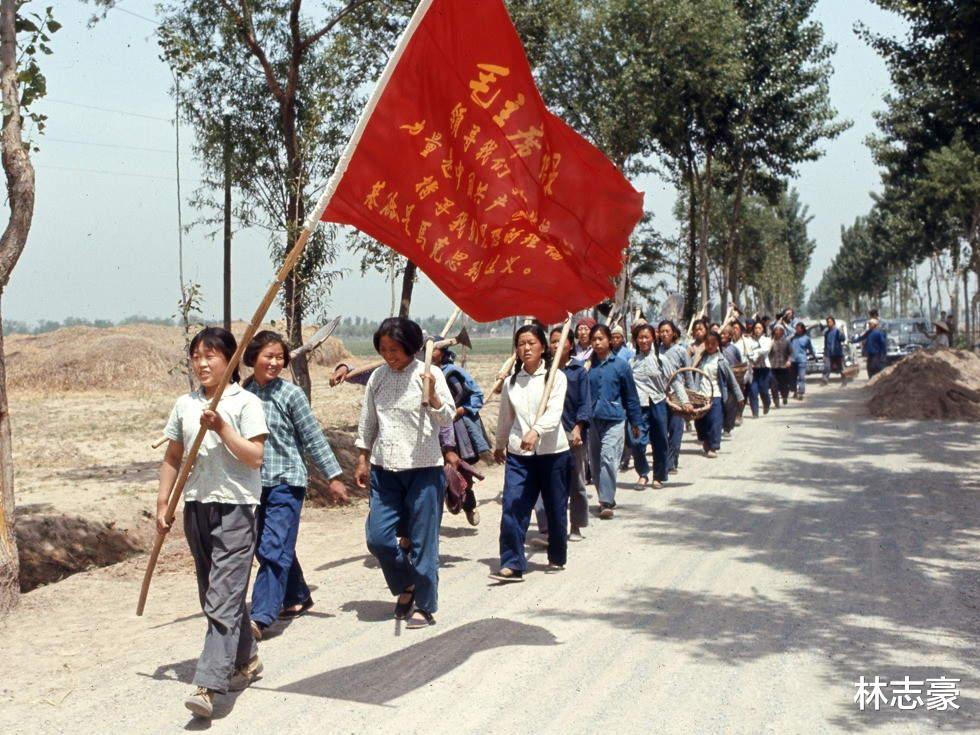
x: 221, y: 537
x: 606, y: 439
x: 578, y: 494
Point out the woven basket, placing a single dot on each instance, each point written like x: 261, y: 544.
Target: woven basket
x: 740, y: 370
x: 700, y: 401
x: 851, y: 371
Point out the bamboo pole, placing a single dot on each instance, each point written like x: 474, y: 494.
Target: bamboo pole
x: 292, y: 258
x: 550, y: 384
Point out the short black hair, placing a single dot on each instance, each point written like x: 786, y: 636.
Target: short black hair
x: 673, y: 328
x: 570, y: 337
x: 258, y: 343
x: 219, y: 340
x: 404, y: 331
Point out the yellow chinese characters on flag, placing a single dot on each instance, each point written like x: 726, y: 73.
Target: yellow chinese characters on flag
x: 462, y: 169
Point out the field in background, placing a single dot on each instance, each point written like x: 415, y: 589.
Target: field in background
x: 484, y: 346
x: 86, y: 404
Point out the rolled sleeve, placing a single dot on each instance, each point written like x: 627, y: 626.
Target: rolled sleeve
x: 445, y: 414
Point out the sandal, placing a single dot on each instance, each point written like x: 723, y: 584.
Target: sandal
x: 420, y: 619
x: 287, y: 613
x: 404, y: 609
x: 508, y: 575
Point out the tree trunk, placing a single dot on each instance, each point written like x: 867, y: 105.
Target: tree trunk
x: 703, y: 239
x: 408, y: 285
x: 967, y: 305
x: 691, y: 292
x: 20, y: 199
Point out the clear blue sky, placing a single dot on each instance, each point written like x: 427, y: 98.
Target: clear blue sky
x: 103, y: 244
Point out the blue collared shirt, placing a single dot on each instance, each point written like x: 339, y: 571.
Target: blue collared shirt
x: 614, y: 396
x: 578, y: 396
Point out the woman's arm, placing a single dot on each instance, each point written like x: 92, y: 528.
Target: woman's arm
x: 311, y: 438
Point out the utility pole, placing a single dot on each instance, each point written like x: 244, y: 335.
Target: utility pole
x: 227, y: 243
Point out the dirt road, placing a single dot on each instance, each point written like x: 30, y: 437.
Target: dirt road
x: 748, y: 596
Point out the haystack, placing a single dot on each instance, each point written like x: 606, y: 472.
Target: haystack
x: 135, y: 357
x: 929, y: 384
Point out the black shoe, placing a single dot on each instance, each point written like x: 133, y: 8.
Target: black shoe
x: 404, y: 609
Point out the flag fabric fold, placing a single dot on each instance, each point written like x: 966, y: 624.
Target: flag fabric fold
x: 462, y: 169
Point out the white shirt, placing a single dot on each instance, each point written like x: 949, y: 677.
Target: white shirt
x: 709, y: 366
x: 758, y: 350
x: 519, y: 405
x: 399, y: 433
x: 218, y: 475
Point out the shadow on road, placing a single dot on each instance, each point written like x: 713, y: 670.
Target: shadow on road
x: 879, y: 554
x: 393, y: 675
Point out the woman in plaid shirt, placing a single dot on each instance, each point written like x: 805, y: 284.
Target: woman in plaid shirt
x: 280, y: 589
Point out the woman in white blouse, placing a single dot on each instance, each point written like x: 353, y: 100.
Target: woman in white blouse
x: 537, y: 455
x: 759, y: 346
x: 400, y: 457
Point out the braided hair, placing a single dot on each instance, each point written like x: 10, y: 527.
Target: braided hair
x: 537, y: 330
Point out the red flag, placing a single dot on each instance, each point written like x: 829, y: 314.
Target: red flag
x: 462, y: 169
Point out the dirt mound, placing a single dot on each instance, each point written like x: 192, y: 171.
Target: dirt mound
x: 139, y: 357
x: 52, y: 547
x: 929, y: 384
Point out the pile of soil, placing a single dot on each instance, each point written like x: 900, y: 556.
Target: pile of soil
x: 136, y: 357
x: 52, y: 547
x: 929, y: 384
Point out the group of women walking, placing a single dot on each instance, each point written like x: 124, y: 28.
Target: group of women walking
x: 419, y: 434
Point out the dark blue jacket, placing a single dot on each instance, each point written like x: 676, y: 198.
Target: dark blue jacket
x: 578, y: 397
x: 833, y: 343
x: 876, y: 343
x: 614, y: 396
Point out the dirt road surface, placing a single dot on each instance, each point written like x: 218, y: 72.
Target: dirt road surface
x: 747, y: 597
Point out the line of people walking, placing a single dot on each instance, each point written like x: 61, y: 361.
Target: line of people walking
x: 419, y: 437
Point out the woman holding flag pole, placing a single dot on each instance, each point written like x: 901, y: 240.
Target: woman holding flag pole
x: 532, y: 442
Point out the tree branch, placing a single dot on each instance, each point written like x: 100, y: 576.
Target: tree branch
x: 244, y: 22
x: 347, y: 10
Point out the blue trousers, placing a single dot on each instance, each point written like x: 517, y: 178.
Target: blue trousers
x: 654, y: 431
x: 606, y: 439
x: 279, y: 582
x: 410, y: 500
x: 675, y: 433
x: 525, y: 478
x: 475, y: 431
x: 709, y: 425
x: 759, y: 387
x: 800, y: 377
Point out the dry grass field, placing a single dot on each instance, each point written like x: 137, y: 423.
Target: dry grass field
x: 86, y: 404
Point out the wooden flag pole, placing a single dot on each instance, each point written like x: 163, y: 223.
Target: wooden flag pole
x: 550, y: 384
x: 315, y: 215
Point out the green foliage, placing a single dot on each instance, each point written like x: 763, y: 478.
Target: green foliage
x: 34, y: 31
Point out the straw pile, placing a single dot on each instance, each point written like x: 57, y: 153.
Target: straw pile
x: 929, y: 384
x: 136, y: 357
